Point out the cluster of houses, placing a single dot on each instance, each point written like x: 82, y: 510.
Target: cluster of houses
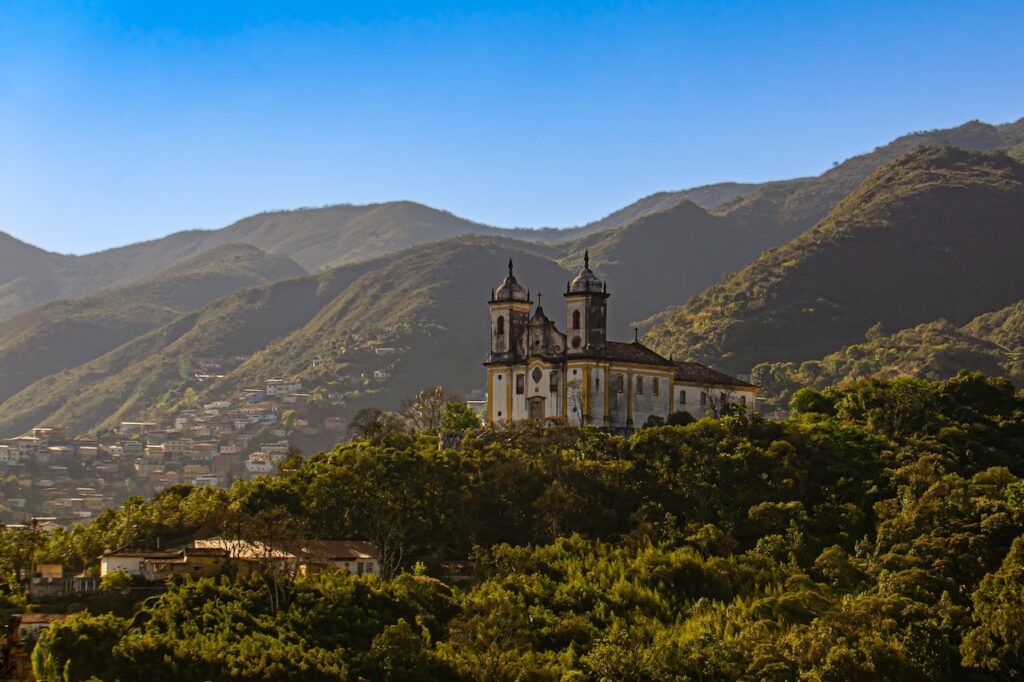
x: 45, y: 472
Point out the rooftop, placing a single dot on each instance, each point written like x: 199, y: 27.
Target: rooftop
x: 696, y: 373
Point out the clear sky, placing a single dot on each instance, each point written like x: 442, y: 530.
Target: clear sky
x: 126, y: 121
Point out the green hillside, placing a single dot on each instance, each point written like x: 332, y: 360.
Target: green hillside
x: 64, y: 334
x: 706, y: 196
x: 934, y: 234
x: 663, y: 258
x: 782, y: 210
x: 137, y: 375
x: 428, y: 302
x: 933, y: 351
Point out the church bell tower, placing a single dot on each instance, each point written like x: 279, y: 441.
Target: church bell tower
x: 586, y: 312
x: 510, y: 319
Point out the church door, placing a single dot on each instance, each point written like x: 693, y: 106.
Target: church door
x: 537, y: 408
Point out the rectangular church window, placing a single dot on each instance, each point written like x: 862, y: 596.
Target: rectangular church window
x: 520, y: 384
x: 639, y: 385
x: 657, y: 386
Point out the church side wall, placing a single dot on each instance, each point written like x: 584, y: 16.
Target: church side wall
x: 645, y: 402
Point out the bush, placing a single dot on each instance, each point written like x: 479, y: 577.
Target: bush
x: 116, y: 581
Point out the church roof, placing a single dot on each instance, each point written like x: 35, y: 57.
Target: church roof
x: 634, y: 352
x: 695, y: 373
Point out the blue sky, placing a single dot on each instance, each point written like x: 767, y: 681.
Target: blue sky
x: 127, y: 121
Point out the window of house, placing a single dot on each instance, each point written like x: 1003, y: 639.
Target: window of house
x: 575, y: 319
x: 743, y: 400
x: 722, y: 398
x: 501, y: 325
x: 639, y: 385
x: 703, y: 398
x: 682, y: 397
x: 655, y: 385
x: 369, y: 568
x: 618, y: 383
x: 520, y: 384
x: 597, y: 382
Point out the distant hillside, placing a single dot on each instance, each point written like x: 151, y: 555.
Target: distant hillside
x: 782, y: 210
x: 707, y: 197
x: 320, y: 238
x: 992, y: 343
x: 932, y: 351
x: 663, y: 258
x: 934, y: 234
x: 429, y: 302
x: 64, y: 334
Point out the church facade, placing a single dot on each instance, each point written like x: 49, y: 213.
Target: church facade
x: 535, y: 371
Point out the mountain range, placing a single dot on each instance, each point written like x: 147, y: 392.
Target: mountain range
x: 922, y: 231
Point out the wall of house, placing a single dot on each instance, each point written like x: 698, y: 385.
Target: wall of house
x: 360, y: 567
x: 129, y: 565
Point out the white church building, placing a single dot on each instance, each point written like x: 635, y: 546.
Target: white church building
x: 536, y: 371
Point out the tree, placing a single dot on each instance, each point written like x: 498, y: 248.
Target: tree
x: 997, y: 641
x: 574, y: 399
x: 458, y: 417
x: 426, y: 409
x: 79, y: 648
x: 679, y: 418
x: 116, y: 581
x: 375, y: 425
x: 809, y: 401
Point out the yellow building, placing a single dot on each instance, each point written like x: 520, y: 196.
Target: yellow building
x: 534, y: 371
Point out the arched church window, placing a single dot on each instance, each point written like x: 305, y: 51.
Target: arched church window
x: 500, y: 328
x: 575, y: 319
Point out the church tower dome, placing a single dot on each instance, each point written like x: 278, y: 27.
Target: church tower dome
x: 586, y: 312
x: 586, y: 280
x: 510, y: 289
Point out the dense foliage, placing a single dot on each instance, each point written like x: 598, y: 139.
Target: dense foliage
x: 990, y: 343
x: 878, y: 534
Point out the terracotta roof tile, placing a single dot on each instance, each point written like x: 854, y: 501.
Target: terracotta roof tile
x: 634, y: 352
x: 696, y: 373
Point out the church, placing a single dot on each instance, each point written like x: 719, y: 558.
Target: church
x: 535, y: 371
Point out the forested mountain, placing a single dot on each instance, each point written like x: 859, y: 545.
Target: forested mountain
x: 934, y: 234
x: 707, y: 197
x: 319, y: 238
x: 900, y: 250
x: 429, y: 302
x: 65, y: 334
x: 992, y: 343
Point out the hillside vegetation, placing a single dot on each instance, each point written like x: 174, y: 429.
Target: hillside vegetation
x: 876, y: 535
x: 935, y: 234
x: 429, y: 302
x: 65, y: 334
